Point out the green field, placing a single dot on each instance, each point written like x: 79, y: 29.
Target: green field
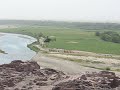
x: 70, y: 38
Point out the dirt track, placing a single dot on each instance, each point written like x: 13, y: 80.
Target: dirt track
x: 61, y: 64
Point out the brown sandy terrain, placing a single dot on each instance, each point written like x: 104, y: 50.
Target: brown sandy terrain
x: 91, y: 58
x: 61, y: 64
x: 75, y: 64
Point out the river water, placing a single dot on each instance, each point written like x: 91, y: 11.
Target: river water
x: 15, y: 45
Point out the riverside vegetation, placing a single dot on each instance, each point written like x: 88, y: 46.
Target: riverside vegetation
x: 70, y: 36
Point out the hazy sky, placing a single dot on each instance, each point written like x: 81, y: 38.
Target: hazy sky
x: 71, y: 10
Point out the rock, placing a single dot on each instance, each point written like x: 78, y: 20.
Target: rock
x: 53, y: 77
x: 26, y: 67
x: 41, y: 84
x: 1, y: 87
x: 16, y: 89
x: 83, y: 77
x: 38, y: 72
x: 49, y: 71
x: 9, y: 83
x: 115, y: 82
x: 22, y: 66
x: 28, y: 74
x: 107, y: 74
x: 103, y: 80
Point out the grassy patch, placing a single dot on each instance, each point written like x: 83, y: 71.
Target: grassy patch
x: 33, y: 47
x: 100, y: 68
x: 107, y: 68
x: 117, y: 70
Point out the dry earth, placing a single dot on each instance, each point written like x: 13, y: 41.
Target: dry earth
x: 66, y: 66
x: 91, y: 58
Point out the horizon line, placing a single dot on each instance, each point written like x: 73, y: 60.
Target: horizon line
x: 83, y: 21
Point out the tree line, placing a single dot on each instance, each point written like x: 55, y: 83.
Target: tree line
x: 78, y: 25
x: 109, y: 36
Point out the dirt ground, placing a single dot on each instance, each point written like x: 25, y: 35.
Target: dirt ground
x: 67, y: 64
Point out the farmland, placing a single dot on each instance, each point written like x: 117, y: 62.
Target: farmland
x: 72, y: 37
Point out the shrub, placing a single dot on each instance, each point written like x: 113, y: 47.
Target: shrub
x: 107, y: 68
x: 109, y: 36
x: 97, y: 33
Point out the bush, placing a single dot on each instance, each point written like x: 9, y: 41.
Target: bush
x: 109, y: 36
x: 97, y: 33
x: 107, y: 68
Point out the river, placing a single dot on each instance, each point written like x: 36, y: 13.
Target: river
x: 15, y: 45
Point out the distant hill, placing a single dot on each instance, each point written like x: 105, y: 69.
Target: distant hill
x: 79, y: 25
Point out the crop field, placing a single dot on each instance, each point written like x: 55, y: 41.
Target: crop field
x: 70, y: 38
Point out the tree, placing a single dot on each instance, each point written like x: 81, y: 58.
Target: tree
x: 38, y: 36
x: 97, y: 33
x: 106, y: 37
x: 47, y: 39
x: 116, y: 39
x: 110, y: 36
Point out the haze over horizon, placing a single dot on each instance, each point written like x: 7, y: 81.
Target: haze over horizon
x: 61, y: 10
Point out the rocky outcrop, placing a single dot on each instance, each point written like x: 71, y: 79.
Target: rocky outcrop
x: 20, y: 75
x: 22, y: 66
x: 103, y: 80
